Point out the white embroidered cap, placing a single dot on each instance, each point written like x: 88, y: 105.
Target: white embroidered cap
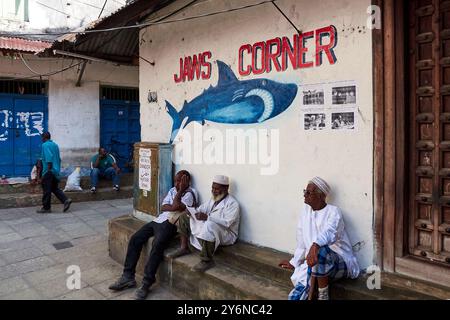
x: 321, y: 184
x: 220, y: 179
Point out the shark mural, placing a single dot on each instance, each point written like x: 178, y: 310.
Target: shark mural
x: 234, y: 101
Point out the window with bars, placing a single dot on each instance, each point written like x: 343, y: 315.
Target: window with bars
x: 23, y: 87
x: 117, y: 93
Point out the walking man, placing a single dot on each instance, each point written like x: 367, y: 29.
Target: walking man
x: 51, y: 164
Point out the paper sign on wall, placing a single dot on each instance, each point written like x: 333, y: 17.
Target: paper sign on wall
x: 329, y: 106
x: 145, y: 169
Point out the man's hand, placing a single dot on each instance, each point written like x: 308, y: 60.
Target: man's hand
x: 201, y: 216
x: 285, y: 264
x: 184, y: 184
x: 313, y: 255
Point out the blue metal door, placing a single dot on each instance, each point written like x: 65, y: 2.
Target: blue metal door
x: 119, y: 129
x: 23, y: 118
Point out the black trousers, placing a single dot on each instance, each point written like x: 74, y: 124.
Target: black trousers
x: 162, y: 233
x: 49, y: 185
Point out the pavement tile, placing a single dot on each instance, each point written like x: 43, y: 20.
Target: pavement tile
x: 56, y: 287
x: 83, y: 294
x: 27, y: 294
x: 19, y: 221
x: 14, y: 245
x: 81, y: 232
x: 21, y: 255
x: 26, y: 266
x: 4, y: 229
x: 89, y: 239
x: 96, y: 275
x: 37, y: 277
x: 12, y: 285
x: 9, y: 237
x: 28, y: 230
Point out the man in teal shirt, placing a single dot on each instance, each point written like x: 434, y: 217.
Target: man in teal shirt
x: 51, y: 164
x: 103, y: 165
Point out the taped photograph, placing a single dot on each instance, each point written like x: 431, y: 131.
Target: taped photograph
x: 343, y: 121
x: 315, y: 121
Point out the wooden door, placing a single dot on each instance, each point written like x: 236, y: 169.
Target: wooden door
x: 429, y: 124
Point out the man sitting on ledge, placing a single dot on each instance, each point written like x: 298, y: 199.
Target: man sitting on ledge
x: 324, y: 252
x: 104, y: 165
x: 163, y: 228
x: 214, y: 223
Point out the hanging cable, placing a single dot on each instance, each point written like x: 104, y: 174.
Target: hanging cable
x: 26, y: 65
x: 104, y: 4
x: 45, y: 74
x: 284, y: 15
x: 147, y: 24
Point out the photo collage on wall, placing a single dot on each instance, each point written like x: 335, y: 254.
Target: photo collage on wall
x: 329, y: 106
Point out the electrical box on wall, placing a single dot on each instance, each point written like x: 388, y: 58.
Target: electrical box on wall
x: 152, y: 176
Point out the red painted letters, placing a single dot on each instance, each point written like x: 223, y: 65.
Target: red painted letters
x: 263, y: 56
x: 193, y: 68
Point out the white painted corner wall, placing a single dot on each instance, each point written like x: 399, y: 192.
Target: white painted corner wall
x: 270, y: 205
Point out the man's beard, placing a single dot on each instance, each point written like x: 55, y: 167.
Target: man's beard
x: 218, y: 197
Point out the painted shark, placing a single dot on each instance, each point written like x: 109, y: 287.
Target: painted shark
x: 235, y: 102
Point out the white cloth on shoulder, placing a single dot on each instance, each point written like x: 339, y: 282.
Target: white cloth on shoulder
x: 222, y: 226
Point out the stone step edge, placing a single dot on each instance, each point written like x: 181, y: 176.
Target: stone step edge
x: 34, y: 199
x: 236, y: 258
x: 238, y: 279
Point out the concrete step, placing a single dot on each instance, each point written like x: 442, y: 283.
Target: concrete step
x: 357, y: 289
x: 126, y: 179
x: 219, y: 283
x: 245, y: 271
x: 13, y: 200
x: 256, y: 260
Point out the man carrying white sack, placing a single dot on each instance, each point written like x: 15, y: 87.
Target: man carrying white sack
x: 324, y: 252
x: 214, y: 223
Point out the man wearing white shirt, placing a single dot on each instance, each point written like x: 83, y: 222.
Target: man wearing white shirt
x: 214, y: 223
x: 324, y: 252
x: 163, y: 229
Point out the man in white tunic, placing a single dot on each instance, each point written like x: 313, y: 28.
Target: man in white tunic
x: 214, y: 223
x: 324, y: 252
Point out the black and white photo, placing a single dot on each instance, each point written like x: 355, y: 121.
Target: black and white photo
x: 344, y: 95
x: 343, y: 120
x: 313, y: 97
x: 315, y: 121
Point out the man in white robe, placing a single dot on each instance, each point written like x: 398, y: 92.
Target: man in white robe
x: 324, y: 252
x: 214, y: 223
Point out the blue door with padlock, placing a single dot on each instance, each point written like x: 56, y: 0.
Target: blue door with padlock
x: 23, y: 118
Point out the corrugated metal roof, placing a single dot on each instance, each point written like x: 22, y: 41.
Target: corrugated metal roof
x: 119, y: 45
x: 23, y: 45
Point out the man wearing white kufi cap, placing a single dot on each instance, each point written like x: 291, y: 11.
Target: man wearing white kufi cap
x: 324, y: 252
x: 214, y: 223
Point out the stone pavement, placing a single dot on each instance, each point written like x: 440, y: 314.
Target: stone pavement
x: 31, y: 266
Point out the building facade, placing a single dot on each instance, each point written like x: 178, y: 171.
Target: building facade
x: 352, y: 91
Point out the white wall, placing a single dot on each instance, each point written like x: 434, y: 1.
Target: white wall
x: 271, y: 204
x: 74, y: 112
